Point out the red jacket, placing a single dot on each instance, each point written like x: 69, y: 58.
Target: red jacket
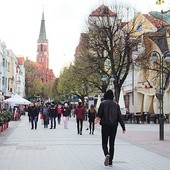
x: 59, y: 110
x: 79, y: 111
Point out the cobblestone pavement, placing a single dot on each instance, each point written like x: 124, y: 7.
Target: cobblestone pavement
x: 63, y: 149
x: 147, y: 136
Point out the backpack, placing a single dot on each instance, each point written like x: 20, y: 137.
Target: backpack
x: 45, y: 111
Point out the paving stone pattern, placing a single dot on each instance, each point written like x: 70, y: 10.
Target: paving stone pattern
x: 63, y: 149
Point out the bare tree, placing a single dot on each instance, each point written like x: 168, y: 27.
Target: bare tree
x: 109, y: 48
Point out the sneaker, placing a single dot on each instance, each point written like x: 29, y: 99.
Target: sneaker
x: 110, y: 164
x: 106, y: 162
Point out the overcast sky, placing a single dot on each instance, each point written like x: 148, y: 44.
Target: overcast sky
x: 64, y: 19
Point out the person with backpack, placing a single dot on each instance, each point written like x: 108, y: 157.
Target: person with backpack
x: 109, y: 115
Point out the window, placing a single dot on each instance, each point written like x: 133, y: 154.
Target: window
x: 139, y: 27
x: 8, y: 66
x: 3, y: 62
x: 3, y: 80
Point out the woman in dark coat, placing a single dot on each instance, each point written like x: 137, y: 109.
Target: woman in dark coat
x: 91, y: 116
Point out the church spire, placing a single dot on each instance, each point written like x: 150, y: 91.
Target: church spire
x: 42, y: 46
x: 42, y: 34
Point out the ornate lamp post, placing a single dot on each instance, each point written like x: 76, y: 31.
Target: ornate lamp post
x: 155, y: 56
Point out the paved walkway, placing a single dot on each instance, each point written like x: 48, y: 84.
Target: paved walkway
x: 63, y: 149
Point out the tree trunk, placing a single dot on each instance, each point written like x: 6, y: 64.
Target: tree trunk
x: 117, y: 92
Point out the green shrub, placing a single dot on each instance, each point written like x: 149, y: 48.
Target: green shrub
x: 7, y: 115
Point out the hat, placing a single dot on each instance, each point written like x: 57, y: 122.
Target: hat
x: 108, y: 95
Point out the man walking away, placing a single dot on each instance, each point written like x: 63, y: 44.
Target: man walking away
x: 110, y: 115
x: 79, y: 112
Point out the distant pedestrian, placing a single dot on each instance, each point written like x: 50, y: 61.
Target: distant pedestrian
x: 59, y: 111
x: 52, y: 115
x: 91, y: 116
x: 16, y: 113
x: 110, y: 115
x: 45, y: 114
x: 66, y: 115
x: 79, y: 112
x: 33, y: 112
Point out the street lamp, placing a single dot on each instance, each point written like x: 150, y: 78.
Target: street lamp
x: 155, y: 56
x: 109, y: 81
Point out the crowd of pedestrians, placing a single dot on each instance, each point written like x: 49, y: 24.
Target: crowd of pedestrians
x: 108, y: 115
x: 51, y: 114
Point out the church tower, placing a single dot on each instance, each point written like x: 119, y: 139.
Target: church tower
x: 42, y: 46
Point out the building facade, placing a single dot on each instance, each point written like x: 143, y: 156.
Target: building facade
x: 141, y: 86
x: 10, y: 74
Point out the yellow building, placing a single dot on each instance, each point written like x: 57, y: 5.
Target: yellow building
x: 142, y: 84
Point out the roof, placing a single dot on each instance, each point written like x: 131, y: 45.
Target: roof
x: 45, y: 71
x: 155, y: 21
x: 163, y: 15
x: 103, y: 11
x: 42, y: 34
x: 20, y: 60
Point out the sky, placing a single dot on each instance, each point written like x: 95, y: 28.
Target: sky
x: 65, y: 20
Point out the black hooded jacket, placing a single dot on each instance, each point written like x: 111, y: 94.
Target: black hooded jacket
x: 109, y: 111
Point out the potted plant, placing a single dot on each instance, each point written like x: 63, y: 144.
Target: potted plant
x: 7, y: 117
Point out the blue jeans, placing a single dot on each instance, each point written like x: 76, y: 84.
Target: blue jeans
x: 34, y: 121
